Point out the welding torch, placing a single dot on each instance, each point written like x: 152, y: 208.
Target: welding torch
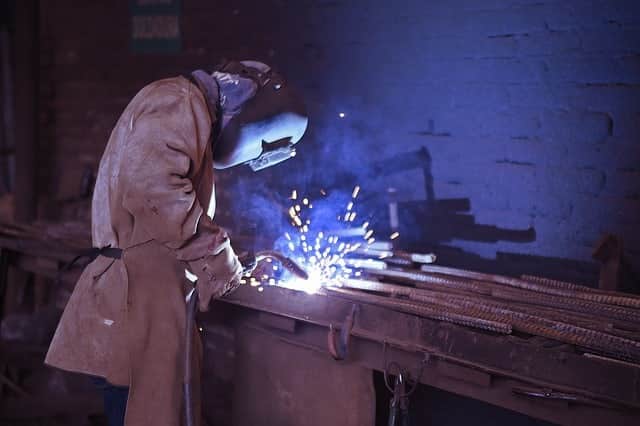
x: 286, y: 262
x: 248, y: 261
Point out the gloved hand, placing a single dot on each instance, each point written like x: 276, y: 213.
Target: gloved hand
x: 248, y: 262
x: 218, y: 274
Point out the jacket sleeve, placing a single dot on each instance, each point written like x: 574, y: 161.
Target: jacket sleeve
x: 162, y: 147
x: 166, y: 143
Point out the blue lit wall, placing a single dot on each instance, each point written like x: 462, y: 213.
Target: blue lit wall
x: 510, y: 128
x: 505, y: 126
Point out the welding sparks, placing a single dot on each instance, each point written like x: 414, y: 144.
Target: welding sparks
x: 355, y: 192
x: 322, y: 254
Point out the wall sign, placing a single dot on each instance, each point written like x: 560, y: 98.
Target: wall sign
x: 155, y: 26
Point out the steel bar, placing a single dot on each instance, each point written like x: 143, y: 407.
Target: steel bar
x: 499, y: 355
x: 421, y: 279
x: 596, y: 340
x: 558, y: 284
x: 472, y: 382
x: 433, y: 312
x: 601, y: 297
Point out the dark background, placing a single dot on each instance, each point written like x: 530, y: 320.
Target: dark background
x: 509, y: 128
x: 525, y: 113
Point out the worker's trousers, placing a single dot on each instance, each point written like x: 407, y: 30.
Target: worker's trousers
x: 115, y: 401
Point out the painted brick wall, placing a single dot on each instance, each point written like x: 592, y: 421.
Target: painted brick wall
x: 506, y: 126
x: 528, y: 110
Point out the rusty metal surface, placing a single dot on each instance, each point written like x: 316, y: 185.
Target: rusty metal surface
x: 611, y: 297
x: 504, y: 356
x: 288, y: 385
x: 434, y: 316
x: 451, y: 376
x: 489, y: 315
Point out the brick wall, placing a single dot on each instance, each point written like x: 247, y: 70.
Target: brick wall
x: 529, y: 110
x: 507, y: 127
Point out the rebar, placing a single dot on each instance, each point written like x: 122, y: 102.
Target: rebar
x: 557, y: 283
x: 496, y: 313
x: 522, y: 295
x: 600, y: 297
x: 433, y: 312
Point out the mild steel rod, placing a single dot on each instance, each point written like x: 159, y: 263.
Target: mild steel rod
x: 600, y: 297
x: 580, y: 335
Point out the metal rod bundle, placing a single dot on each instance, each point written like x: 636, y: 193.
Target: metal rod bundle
x: 601, y: 322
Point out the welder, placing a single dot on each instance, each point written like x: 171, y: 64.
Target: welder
x: 152, y: 225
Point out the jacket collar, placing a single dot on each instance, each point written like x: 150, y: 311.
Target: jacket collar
x: 211, y: 92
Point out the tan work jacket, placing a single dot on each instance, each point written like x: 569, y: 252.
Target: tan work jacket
x: 125, y: 320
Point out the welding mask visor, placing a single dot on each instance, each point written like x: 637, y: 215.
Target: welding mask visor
x: 268, y: 125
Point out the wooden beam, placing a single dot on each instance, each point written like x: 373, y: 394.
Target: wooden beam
x: 26, y: 56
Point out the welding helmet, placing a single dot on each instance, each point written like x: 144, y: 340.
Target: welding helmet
x: 263, y: 128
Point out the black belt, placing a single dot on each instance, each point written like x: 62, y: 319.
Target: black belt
x: 92, y: 254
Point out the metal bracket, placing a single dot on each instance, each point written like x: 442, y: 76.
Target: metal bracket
x: 549, y: 394
x: 339, y: 349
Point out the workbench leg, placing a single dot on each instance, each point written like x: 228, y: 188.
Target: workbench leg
x: 279, y: 384
x: 4, y: 276
x: 16, y: 283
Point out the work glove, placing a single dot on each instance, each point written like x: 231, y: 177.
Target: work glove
x: 248, y: 262
x: 218, y: 274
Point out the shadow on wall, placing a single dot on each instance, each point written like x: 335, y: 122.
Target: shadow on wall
x: 425, y: 223
x: 447, y: 219
x: 433, y: 224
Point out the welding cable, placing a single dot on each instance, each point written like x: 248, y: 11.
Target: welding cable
x: 386, y: 371
x: 192, y: 306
